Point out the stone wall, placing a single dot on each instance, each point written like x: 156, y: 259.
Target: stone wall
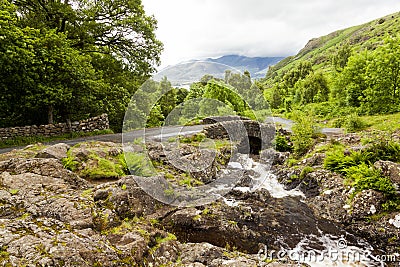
x: 89, y: 125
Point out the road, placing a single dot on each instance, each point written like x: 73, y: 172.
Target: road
x: 150, y: 133
x: 167, y: 132
x: 287, y: 125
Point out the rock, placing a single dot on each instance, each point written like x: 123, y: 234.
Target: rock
x: 316, y: 159
x: 258, y: 219
x: 57, y: 151
x: 396, y: 221
x: 45, y: 167
x: 389, y: 169
x: 271, y: 156
x: 366, y: 203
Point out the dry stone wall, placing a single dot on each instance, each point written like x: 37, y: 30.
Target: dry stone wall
x: 89, y: 125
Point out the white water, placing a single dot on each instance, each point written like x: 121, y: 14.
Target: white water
x: 335, y: 250
x: 263, y: 178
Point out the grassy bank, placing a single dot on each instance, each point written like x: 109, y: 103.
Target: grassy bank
x: 23, y: 141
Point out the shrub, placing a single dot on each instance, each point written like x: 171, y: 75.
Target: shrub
x: 384, y: 149
x: 138, y: 164
x: 281, y: 144
x: 363, y: 177
x: 354, y: 123
x: 303, y: 131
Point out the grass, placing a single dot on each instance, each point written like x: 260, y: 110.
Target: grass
x: 23, y: 141
x: 390, y: 122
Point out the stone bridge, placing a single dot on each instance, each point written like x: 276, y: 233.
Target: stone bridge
x: 250, y: 136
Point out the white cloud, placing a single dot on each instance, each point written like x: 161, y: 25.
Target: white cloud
x: 193, y: 29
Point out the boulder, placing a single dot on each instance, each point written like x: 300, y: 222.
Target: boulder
x: 366, y: 203
x: 389, y: 169
x: 57, y: 151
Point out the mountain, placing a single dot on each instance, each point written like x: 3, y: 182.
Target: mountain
x: 257, y: 66
x: 187, y: 72
x: 318, y: 51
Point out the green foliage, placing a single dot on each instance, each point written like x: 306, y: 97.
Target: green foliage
x: 312, y: 89
x: 303, y: 131
x: 281, y: 143
x: 360, y: 173
x: 306, y: 170
x: 103, y: 169
x: 384, y: 149
x: 340, y: 58
x: 69, y: 162
x: 138, y: 164
x: 338, y: 162
x: 363, y: 177
x: 63, y: 61
x: 351, y: 123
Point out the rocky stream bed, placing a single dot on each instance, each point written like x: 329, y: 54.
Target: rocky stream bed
x: 52, y: 216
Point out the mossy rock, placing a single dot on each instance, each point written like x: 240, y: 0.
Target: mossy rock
x: 96, y: 160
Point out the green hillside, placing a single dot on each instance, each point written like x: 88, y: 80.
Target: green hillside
x: 354, y: 71
x: 318, y: 50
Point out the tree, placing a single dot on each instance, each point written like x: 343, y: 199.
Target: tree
x: 297, y: 73
x: 350, y: 85
x: 313, y: 89
x: 383, y: 78
x: 340, y: 58
x: 16, y: 58
x: 119, y: 28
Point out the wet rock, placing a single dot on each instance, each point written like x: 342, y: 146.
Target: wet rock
x: 271, y: 156
x: 267, y: 220
x: 57, y: 151
x: 389, y: 169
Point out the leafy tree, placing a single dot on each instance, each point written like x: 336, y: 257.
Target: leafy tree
x: 340, y: 58
x: 350, y: 85
x: 313, y: 89
x: 119, y: 28
x: 383, y: 78
x: 16, y: 59
x: 303, y: 131
x: 297, y: 73
x: 220, y: 91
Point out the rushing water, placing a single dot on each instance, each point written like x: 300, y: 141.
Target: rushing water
x: 315, y: 250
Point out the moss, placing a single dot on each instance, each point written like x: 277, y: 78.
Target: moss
x: 197, y: 217
x: 139, y: 164
x: 14, y: 191
x: 102, y: 168
x: 306, y: 170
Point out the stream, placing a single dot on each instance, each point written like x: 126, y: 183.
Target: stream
x: 320, y: 248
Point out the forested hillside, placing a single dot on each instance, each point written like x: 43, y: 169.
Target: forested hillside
x: 69, y: 60
x: 350, y: 71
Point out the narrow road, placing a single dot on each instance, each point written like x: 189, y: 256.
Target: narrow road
x: 287, y: 125
x: 150, y: 133
x: 166, y: 132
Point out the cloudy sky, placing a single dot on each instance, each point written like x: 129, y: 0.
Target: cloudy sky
x: 196, y: 29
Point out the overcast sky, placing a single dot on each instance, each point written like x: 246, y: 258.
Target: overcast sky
x: 196, y: 29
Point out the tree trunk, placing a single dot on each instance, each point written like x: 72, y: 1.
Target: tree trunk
x: 69, y: 125
x: 50, y: 114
